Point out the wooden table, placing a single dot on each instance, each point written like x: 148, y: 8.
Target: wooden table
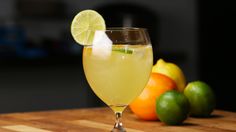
x: 102, y: 119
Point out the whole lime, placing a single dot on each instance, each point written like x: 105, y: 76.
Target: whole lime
x: 172, y: 107
x: 201, y: 98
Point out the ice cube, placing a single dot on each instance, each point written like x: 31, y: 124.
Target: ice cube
x: 102, y: 45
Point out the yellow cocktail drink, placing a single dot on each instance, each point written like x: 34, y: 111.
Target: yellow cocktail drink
x: 120, y: 75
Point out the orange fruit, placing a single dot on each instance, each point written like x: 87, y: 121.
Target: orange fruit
x: 144, y: 106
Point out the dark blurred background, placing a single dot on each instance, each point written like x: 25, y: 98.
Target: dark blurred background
x: 41, y: 66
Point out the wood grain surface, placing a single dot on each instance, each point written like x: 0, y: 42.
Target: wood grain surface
x: 102, y: 119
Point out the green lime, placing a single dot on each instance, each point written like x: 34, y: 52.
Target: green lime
x: 84, y: 25
x: 201, y: 98
x: 172, y: 107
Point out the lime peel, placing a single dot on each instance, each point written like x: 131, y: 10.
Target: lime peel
x: 123, y: 50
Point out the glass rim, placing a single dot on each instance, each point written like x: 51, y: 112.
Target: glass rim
x: 123, y: 29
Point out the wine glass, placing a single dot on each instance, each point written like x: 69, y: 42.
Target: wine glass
x: 117, y: 66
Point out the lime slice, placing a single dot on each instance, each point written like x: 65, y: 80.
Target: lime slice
x: 84, y: 25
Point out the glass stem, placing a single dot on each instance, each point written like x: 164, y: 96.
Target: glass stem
x: 118, y: 127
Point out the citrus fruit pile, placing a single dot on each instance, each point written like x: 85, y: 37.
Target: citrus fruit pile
x: 167, y: 96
